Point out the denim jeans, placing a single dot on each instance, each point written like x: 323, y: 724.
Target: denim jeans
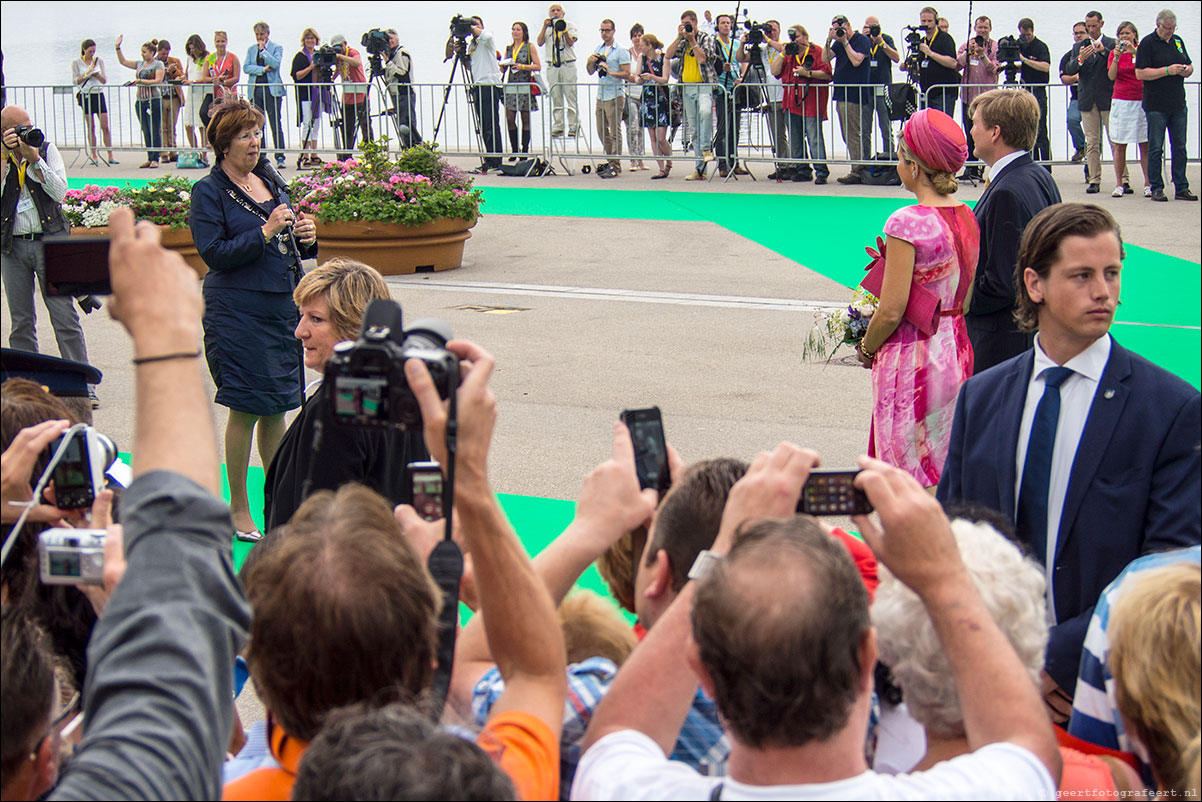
x: 805, y: 134
x: 1043, y: 146
x: 699, y: 109
x: 20, y: 267
x: 269, y: 104
x: 1075, y: 131
x: 1175, y: 122
x: 486, y: 98
x: 150, y: 115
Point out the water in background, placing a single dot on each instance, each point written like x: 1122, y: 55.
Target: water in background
x: 40, y: 39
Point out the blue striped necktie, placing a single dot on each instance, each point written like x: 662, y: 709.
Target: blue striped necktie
x: 1037, y: 469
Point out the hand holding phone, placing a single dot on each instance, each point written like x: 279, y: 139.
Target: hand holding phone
x: 650, y: 448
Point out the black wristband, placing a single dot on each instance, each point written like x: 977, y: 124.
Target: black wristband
x: 142, y: 360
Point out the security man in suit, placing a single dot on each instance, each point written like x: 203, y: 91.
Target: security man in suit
x: 1005, y: 124
x: 1105, y: 444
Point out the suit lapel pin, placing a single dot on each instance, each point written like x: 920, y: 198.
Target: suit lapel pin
x: 1109, y: 394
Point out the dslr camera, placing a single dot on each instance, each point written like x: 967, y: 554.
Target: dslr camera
x: 792, y: 48
x: 688, y: 27
x: 365, y: 380
x: 840, y: 22
x: 461, y: 26
x: 71, y: 556
x: 874, y: 31
x: 30, y: 135
x: 559, y: 25
x: 79, y: 474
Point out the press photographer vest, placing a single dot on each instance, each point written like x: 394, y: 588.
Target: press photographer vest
x: 50, y: 212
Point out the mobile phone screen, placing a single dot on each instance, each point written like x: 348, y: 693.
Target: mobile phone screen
x: 832, y: 493
x: 77, y: 266
x: 427, y: 489
x: 73, y: 476
x: 650, y: 448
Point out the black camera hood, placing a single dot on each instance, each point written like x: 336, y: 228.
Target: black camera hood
x: 383, y: 320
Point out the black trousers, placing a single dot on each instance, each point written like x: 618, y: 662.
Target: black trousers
x: 354, y: 116
x: 1043, y: 145
x: 487, y: 98
x: 726, y: 140
x: 269, y: 104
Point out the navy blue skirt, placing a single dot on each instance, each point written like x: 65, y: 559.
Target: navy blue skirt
x: 253, y: 357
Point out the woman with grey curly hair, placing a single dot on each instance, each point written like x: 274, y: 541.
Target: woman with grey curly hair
x: 1012, y: 587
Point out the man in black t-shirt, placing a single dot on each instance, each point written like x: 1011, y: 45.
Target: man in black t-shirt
x: 937, y: 73
x: 1036, y: 66
x: 881, y: 58
x: 1163, y: 64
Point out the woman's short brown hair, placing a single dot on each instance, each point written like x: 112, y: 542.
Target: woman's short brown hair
x: 1040, y: 247
x: 230, y: 117
x: 306, y: 33
x: 348, y: 286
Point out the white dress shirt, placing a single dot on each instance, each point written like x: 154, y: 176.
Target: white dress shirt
x: 1076, y: 397
x: 51, y: 173
x: 996, y: 168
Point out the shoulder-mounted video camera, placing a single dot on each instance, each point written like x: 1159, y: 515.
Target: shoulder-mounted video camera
x: 365, y: 380
x: 375, y: 42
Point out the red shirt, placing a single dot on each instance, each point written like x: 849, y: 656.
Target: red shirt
x: 806, y: 96
x: 1126, y: 85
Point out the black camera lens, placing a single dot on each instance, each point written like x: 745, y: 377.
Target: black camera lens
x: 980, y: 40
x: 688, y: 27
x: 792, y: 49
x: 560, y: 25
x: 839, y: 32
x: 30, y: 136
x: 874, y: 30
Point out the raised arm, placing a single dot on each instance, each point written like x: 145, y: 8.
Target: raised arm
x: 519, y: 617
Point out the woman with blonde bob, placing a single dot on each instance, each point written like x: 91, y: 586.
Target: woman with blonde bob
x: 332, y: 300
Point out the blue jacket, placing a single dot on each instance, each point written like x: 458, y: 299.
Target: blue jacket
x: 273, y: 55
x: 230, y: 239
x: 1133, y: 488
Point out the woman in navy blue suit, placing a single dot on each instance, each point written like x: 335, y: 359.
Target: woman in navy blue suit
x: 241, y: 225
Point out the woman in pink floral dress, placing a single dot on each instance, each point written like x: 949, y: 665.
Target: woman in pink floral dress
x: 932, y: 245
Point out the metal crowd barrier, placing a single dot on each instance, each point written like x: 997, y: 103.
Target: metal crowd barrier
x: 447, y: 114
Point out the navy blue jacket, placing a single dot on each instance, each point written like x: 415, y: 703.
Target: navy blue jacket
x: 1134, y: 483
x: 230, y: 238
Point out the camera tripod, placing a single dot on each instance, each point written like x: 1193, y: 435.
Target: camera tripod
x: 460, y: 64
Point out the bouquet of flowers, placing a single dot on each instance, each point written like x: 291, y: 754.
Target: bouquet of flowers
x: 416, y: 188
x: 164, y: 202
x: 91, y: 206
x: 840, y: 327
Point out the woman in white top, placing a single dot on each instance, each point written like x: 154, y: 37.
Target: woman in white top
x: 87, y: 72
x: 196, y: 77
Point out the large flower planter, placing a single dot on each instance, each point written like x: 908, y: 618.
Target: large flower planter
x: 176, y: 239
x: 395, y: 248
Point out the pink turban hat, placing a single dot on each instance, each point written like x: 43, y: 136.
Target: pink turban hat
x: 935, y: 138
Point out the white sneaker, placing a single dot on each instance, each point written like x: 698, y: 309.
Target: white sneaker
x: 1118, y: 192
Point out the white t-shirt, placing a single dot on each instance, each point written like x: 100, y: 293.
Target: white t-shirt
x: 485, y: 68
x: 629, y: 765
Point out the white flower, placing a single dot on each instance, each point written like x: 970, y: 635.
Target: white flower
x: 185, y: 195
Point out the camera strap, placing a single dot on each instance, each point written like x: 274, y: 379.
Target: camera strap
x: 446, y: 566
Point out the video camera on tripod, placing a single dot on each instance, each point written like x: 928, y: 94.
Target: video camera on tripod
x: 461, y: 26
x: 914, y: 36
x: 325, y: 58
x: 1010, y: 57
x: 377, y: 44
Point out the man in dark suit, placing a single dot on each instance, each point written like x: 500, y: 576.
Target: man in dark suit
x: 1005, y: 124
x: 1092, y: 450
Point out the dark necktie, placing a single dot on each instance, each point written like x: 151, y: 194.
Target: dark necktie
x: 1037, y: 469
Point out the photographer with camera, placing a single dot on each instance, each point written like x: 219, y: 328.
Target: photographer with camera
x: 313, y: 454
x: 398, y: 70
x: 762, y: 51
x: 1095, y: 89
x: 611, y: 64
x: 262, y: 64
x: 695, y: 49
x: 881, y: 58
x: 34, y: 185
x: 977, y: 61
x: 348, y: 67
x: 1036, y: 60
x: 559, y: 37
x: 730, y: 75
x: 806, y: 77
x: 309, y: 99
x: 481, y: 58
x: 848, y: 50
x: 932, y: 57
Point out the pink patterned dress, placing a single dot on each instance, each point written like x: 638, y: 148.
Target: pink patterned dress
x: 915, y: 378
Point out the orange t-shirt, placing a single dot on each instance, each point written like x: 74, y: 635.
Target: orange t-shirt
x: 525, y: 749
x: 274, y: 783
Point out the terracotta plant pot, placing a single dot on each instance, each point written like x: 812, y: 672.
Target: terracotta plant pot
x: 177, y: 239
x: 395, y: 248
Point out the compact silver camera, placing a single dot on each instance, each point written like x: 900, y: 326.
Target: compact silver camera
x: 71, y: 556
